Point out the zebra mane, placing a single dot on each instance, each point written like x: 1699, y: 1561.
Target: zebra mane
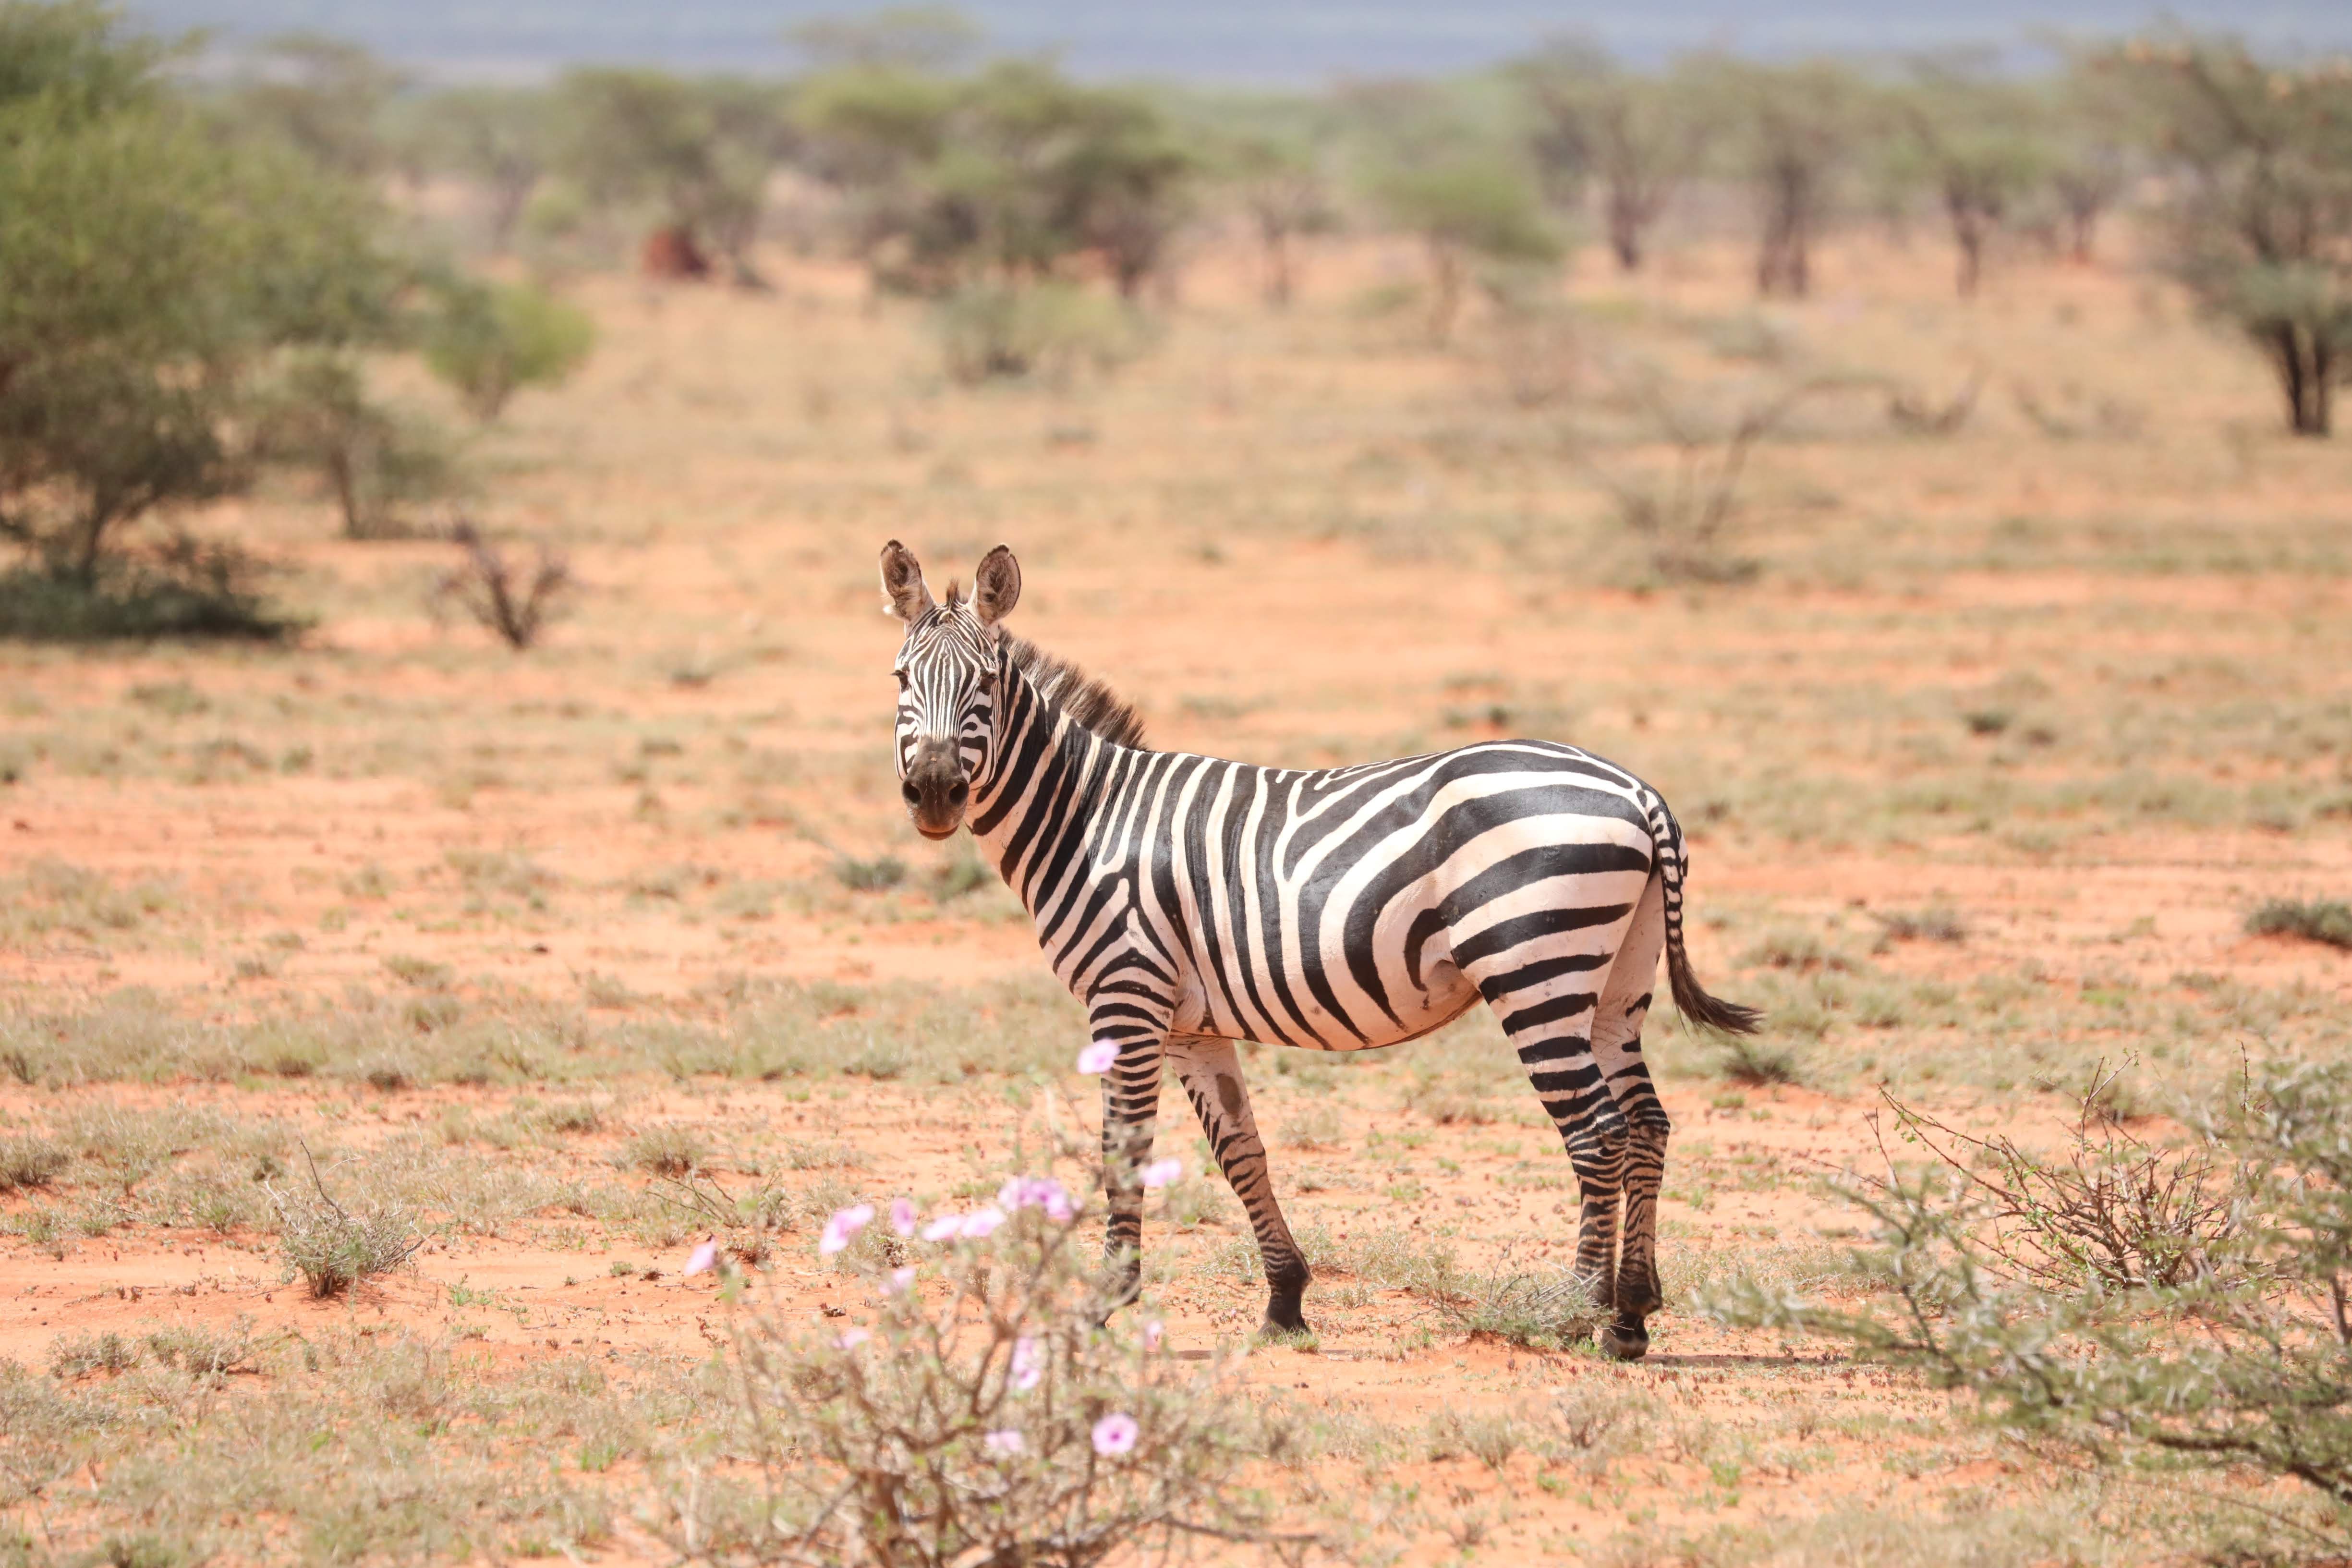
x: 1088, y: 703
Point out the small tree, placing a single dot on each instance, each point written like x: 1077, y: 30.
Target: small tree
x: 982, y: 188
x: 2260, y: 213
x: 698, y: 153
x: 2089, y: 152
x: 1280, y: 182
x: 1464, y: 211
x: 317, y: 414
x: 1638, y: 138
x: 149, y: 269
x: 324, y: 97
x: 1796, y: 129
x: 491, y: 340
x: 498, y: 137
x: 1974, y: 140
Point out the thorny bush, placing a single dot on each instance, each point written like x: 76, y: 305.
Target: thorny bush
x: 2228, y: 1345
x: 982, y: 1412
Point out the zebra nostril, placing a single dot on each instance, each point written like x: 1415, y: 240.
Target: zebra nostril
x: 958, y: 790
x: 914, y: 796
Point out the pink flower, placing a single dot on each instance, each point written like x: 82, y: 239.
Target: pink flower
x: 1098, y: 1057
x: 703, y: 1259
x: 1159, y: 1173
x: 1153, y: 1333
x: 1006, y: 1442
x: 945, y: 1226
x: 852, y: 1338
x: 901, y: 1281
x: 981, y: 1223
x: 1036, y: 1193
x: 845, y: 1225
x: 1028, y: 1365
x: 1116, y: 1434
x: 902, y: 1216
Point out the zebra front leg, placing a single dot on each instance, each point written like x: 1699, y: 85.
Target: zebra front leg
x: 1210, y: 1071
x: 1130, y: 1117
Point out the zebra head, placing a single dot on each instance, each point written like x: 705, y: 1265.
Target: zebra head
x: 947, y: 672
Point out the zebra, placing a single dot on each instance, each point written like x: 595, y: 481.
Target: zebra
x: 1190, y: 902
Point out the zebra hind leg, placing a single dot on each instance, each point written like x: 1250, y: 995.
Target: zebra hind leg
x: 1546, y: 1002
x: 1210, y: 1071
x: 1617, y: 1051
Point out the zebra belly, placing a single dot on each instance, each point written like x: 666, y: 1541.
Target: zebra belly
x: 1446, y: 994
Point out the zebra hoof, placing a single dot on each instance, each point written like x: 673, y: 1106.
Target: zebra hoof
x: 1284, y: 1321
x: 1624, y: 1342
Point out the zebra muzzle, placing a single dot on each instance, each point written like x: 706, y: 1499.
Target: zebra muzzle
x: 936, y: 793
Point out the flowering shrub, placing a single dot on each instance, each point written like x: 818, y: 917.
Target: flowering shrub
x: 982, y: 1412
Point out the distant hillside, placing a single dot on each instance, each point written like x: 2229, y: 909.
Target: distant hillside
x: 1271, y: 41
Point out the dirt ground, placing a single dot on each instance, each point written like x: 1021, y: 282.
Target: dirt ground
x: 2078, y: 676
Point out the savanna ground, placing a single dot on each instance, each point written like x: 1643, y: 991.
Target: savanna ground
x: 1984, y: 769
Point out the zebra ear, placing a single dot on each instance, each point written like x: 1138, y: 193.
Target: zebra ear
x: 904, y: 593
x: 996, y: 586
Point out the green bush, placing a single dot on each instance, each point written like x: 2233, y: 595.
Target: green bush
x: 1052, y: 330
x: 2316, y: 919
x: 490, y: 341
x: 127, y: 381
x: 376, y: 461
x: 181, y: 589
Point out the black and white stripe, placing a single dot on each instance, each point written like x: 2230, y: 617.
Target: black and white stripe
x: 1190, y: 902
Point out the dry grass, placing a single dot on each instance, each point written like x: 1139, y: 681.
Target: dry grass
x: 567, y: 959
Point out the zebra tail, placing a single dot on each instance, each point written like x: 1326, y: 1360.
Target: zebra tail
x: 1697, y: 1006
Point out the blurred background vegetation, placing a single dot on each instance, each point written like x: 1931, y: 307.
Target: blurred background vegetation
x: 206, y: 256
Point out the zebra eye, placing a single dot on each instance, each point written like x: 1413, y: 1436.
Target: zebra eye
x: 900, y: 675
x: 987, y: 680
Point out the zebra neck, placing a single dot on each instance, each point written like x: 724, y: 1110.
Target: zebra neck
x: 1036, y: 813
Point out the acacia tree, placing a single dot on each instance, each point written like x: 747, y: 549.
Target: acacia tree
x: 2260, y: 210
x: 1003, y: 176
x: 1796, y: 129
x: 499, y: 137
x: 698, y: 153
x: 325, y: 97
x: 1638, y: 138
x: 1464, y: 211
x: 1974, y: 140
x: 120, y: 384
x: 1282, y: 185
x: 2089, y: 152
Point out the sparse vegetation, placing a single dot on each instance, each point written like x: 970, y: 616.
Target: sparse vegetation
x: 1758, y: 1063
x: 600, y: 980
x: 2185, y: 1302
x: 978, y: 1412
x: 490, y: 341
x: 501, y: 597
x: 2314, y: 920
x: 329, y: 1248
x: 669, y: 1149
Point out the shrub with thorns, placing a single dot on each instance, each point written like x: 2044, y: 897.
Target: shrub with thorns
x: 2225, y: 1343
x: 2113, y: 1212
x: 981, y: 1412
x: 499, y: 595
x: 333, y: 1249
